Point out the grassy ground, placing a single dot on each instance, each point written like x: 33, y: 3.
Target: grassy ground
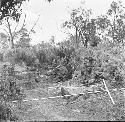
x: 94, y: 108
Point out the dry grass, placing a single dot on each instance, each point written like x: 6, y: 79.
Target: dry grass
x: 95, y: 108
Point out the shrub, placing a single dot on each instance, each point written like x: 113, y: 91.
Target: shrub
x: 118, y: 111
x: 99, y: 63
x: 8, y: 89
x: 9, y: 56
x: 19, y: 55
x: 6, y: 113
x: 41, y: 56
x: 1, y: 56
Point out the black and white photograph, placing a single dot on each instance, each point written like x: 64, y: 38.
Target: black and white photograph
x: 62, y: 60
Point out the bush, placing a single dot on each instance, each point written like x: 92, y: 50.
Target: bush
x: 1, y: 56
x: 99, y: 63
x: 58, y: 74
x: 8, y: 89
x: 6, y: 113
x: 41, y: 56
x: 17, y: 56
x: 118, y: 111
x: 9, y: 56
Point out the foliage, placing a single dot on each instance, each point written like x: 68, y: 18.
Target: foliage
x: 9, y: 91
x: 24, y: 39
x: 8, y: 88
x: 11, y: 8
x: 6, y: 113
x: 1, y: 56
x: 115, y: 29
x: 19, y: 55
x: 44, y: 53
x: 85, y: 27
x: 3, y: 43
x: 95, y: 64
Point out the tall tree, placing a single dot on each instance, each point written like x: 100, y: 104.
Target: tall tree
x: 11, y: 10
x: 12, y: 33
x: 113, y: 23
x: 85, y: 28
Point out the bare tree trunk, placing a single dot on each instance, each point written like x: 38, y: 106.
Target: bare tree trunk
x: 114, y: 26
x: 76, y: 37
x: 11, y: 36
x: 0, y: 3
x: 86, y: 40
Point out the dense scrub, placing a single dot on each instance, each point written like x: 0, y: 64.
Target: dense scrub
x: 9, y: 91
x: 85, y: 58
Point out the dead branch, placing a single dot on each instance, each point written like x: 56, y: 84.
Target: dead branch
x: 34, y: 24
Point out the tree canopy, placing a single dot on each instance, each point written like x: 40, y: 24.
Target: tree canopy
x: 11, y: 8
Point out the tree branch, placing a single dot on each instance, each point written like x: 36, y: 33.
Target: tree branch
x: 10, y: 32
x: 65, y: 32
x: 21, y: 27
x: 34, y: 24
x: 5, y: 31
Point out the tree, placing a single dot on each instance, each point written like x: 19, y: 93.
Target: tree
x: 113, y: 23
x: 118, y: 27
x: 24, y: 40
x: 22, y: 33
x: 12, y: 34
x: 11, y: 10
x: 85, y: 28
x: 73, y: 23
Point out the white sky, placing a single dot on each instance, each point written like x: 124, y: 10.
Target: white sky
x: 53, y: 14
